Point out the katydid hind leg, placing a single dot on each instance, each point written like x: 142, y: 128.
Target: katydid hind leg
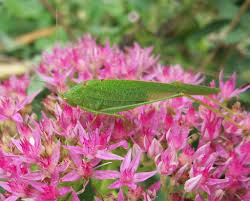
x: 221, y: 105
x: 93, y: 120
x: 214, y: 110
x: 132, y: 106
x: 100, y: 112
x: 96, y: 113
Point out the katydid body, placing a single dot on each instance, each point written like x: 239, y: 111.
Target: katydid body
x: 111, y: 96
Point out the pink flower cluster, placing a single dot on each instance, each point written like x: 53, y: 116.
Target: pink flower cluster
x: 204, y: 156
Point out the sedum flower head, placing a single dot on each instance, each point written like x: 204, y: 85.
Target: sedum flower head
x: 180, y: 143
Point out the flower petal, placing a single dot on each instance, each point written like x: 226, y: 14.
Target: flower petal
x: 74, y: 196
x: 3, y: 118
x: 75, y: 158
x: 122, y: 143
x: 72, y: 176
x: 17, y: 143
x: 5, y: 186
x: 11, y: 198
x: 116, y: 184
x: 142, y: 176
x: 107, y: 155
x: 56, y: 153
x: 27, y: 100
x: 38, y: 175
x: 64, y: 190
x: 199, y: 198
x: 17, y: 118
x: 97, y: 199
x: 135, y: 162
x: 192, y: 183
x: 120, y: 196
x: 76, y: 150
x: 106, y: 174
x: 126, y: 161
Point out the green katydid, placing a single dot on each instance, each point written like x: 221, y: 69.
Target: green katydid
x: 109, y: 96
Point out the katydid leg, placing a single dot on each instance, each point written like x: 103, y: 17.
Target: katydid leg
x: 213, y: 109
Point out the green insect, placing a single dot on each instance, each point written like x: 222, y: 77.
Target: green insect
x: 110, y: 96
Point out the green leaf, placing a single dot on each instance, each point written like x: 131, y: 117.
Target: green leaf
x: 37, y: 102
x: 13, y: 7
x: 244, y: 99
x: 209, y: 28
x: 7, y: 42
x: 23, y: 8
x: 36, y: 84
x: 227, y: 9
x: 2, y: 191
x: 140, y: 5
x: 235, y: 36
x: 88, y: 194
x: 95, y: 11
x: 115, y: 8
x: 245, y: 22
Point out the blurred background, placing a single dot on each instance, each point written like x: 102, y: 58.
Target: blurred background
x: 204, y: 36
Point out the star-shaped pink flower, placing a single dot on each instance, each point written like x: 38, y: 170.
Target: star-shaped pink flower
x: 127, y: 175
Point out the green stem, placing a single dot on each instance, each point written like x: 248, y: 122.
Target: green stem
x: 164, y: 186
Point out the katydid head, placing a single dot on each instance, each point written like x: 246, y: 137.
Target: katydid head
x: 67, y: 97
x: 74, y: 95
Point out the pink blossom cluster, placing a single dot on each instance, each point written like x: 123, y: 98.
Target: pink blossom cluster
x: 191, y: 153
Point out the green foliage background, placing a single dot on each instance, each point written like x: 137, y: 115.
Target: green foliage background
x: 182, y: 31
x: 200, y: 35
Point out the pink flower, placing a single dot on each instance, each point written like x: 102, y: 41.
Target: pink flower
x: 141, y: 58
x: 119, y: 132
x: 154, y: 148
x: 16, y: 87
x: 30, y: 148
x: 173, y: 73
x: 24, y: 130
x: 237, y: 170
x: 200, y: 178
x: 50, y: 192
x: 10, y: 167
x: 177, y: 137
x: 34, y: 163
x: 168, y: 122
x: 228, y: 88
x: 18, y: 188
x: 49, y: 165
x: 57, y: 79
x: 135, y: 194
x: 211, y: 129
x: 127, y: 175
x: 95, y: 145
x: 204, y: 156
x: 47, y: 127
x: 186, y: 156
x: 150, y: 194
x: 168, y: 163
x: 66, y: 120
x: 120, y: 196
x: 84, y: 169
x: 9, y: 107
x: 243, y: 150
